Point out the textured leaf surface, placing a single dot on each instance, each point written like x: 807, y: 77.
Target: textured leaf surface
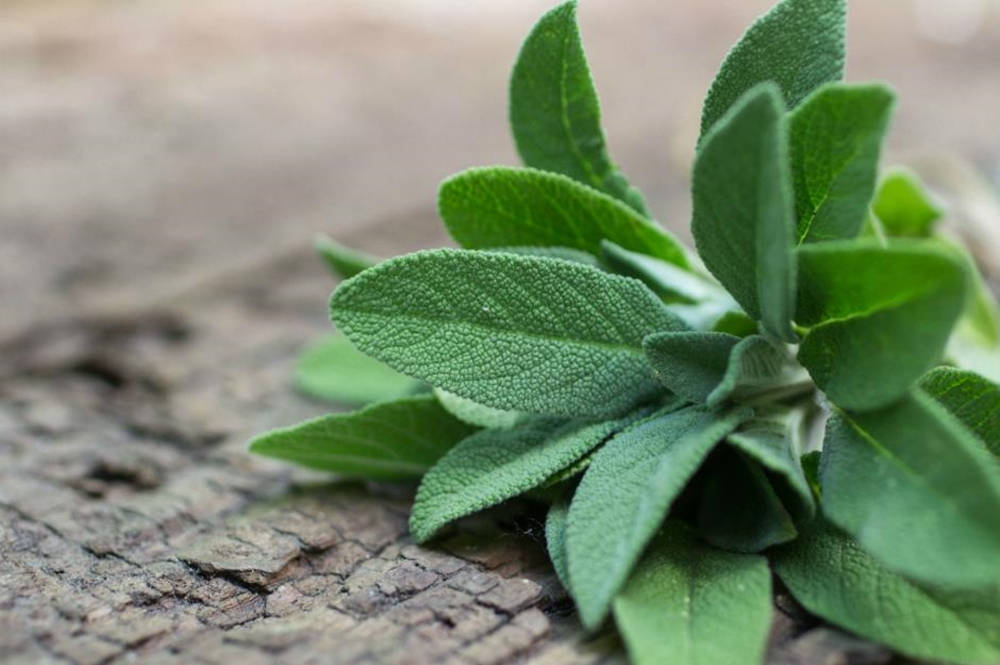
x: 500, y: 206
x: 916, y: 490
x: 671, y: 283
x: 903, y: 205
x: 555, y: 538
x: 833, y: 577
x: 743, y: 221
x: 564, y: 253
x: 690, y: 364
x: 836, y: 138
x: 689, y: 604
x: 385, y: 441
x: 880, y: 317
x: 974, y: 400
x: 554, y: 113
x: 333, y: 369
x: 511, y: 332
x: 625, y: 494
x: 342, y: 261
x: 495, y: 465
x: 756, y: 366
x: 799, y: 44
x: 477, y: 414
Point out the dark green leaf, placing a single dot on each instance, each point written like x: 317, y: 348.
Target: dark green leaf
x: 969, y: 397
x: 688, y: 604
x: 342, y: 261
x: 880, y: 317
x: 689, y: 364
x: 743, y: 222
x: 835, y: 138
x: 500, y: 206
x: 903, y: 206
x: 332, y: 369
x: 385, y: 441
x: 554, y: 113
x: 511, y: 332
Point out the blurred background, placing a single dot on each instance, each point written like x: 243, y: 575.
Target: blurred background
x: 148, y: 146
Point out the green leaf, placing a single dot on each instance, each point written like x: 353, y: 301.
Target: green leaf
x: 880, y: 317
x: 511, y: 332
x: 332, y: 369
x: 625, y: 494
x: 739, y: 509
x: 689, y: 364
x: 758, y: 367
x: 495, y: 465
x: 477, y: 414
x: 555, y: 538
x: 385, y: 441
x: 743, y: 220
x: 342, y: 261
x: 972, y: 399
x: 735, y: 323
x: 798, y: 44
x: 975, y: 342
x: 833, y: 577
x: 499, y: 206
x: 564, y: 253
x: 668, y: 281
x: 688, y: 604
x: 554, y: 113
x: 903, y: 206
x: 916, y: 490
x: 836, y: 138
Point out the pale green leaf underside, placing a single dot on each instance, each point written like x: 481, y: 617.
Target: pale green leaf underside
x: 387, y: 441
x: 916, y: 490
x: 477, y: 414
x: 690, y: 604
x: 798, y: 44
x: 342, y: 261
x: 333, y: 369
x: 554, y: 112
x: 880, y: 317
x: 555, y: 538
x: 668, y: 281
x: 834, y: 578
x: 904, y: 206
x: 689, y: 364
x: 974, y: 400
x: 499, y: 206
x: 835, y: 140
x: 756, y: 367
x: 743, y: 219
x: 495, y: 465
x: 625, y: 494
x: 510, y: 332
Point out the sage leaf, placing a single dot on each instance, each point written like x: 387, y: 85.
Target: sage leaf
x: 904, y: 206
x: 554, y: 113
x: 333, y: 369
x: 555, y: 538
x: 689, y: 364
x: 743, y: 221
x: 507, y: 331
x: 564, y: 253
x: 495, y: 465
x: 499, y: 206
x: 799, y: 44
x: 689, y: 604
x: 833, y: 577
x: 342, y: 261
x: 386, y: 441
x: 477, y: 414
x: 916, y: 490
x: 880, y: 317
x: 758, y: 366
x: 671, y: 283
x: 835, y: 142
x: 625, y: 494
x: 972, y: 399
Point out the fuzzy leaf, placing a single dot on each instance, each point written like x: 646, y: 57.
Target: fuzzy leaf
x: 625, y: 494
x: 903, y: 205
x: 554, y: 113
x: 834, y: 578
x: 916, y: 490
x: 555, y: 538
x: 689, y: 364
x: 799, y: 44
x: 564, y: 253
x: 342, y: 261
x: 385, y: 441
x: 756, y: 366
x: 689, y: 604
x: 511, y: 332
x: 743, y: 221
x: 880, y: 317
x: 477, y: 414
x: 498, y: 206
x: 333, y: 369
x: 972, y: 399
x: 836, y: 138
x: 495, y: 465
x: 665, y: 279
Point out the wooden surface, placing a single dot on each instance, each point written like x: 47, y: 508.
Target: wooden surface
x: 163, y: 170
